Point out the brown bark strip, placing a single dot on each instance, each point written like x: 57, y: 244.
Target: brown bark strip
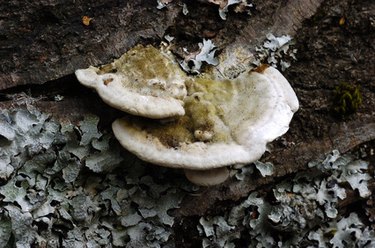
x: 286, y: 19
x: 45, y: 40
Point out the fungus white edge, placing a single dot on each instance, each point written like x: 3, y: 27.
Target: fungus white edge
x: 116, y: 95
x: 251, y: 140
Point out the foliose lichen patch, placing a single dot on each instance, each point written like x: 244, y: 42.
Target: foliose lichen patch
x: 299, y: 207
x: 242, y: 6
x: 60, y: 187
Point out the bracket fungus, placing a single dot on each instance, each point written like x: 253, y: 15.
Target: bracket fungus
x: 221, y: 123
x: 138, y: 81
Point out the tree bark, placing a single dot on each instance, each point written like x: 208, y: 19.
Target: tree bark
x: 47, y: 40
x: 44, y: 42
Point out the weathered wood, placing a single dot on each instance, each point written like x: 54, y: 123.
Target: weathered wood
x: 285, y: 20
x: 45, y: 40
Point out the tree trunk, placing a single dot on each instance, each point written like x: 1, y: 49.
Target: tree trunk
x: 42, y: 44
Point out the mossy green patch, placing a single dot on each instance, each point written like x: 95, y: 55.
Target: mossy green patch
x: 347, y: 99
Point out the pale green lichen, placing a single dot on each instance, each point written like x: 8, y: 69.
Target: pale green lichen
x: 206, y: 55
x: 51, y: 199
x: 51, y: 193
x: 294, y: 216
x: 276, y: 51
x: 5, y: 230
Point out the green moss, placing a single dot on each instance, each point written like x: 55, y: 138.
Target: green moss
x: 347, y: 99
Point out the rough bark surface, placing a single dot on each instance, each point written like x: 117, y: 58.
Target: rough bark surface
x: 45, y: 40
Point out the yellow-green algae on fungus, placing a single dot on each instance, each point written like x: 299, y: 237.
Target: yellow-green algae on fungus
x: 142, y: 78
x: 203, y: 119
x: 226, y: 122
x: 149, y: 67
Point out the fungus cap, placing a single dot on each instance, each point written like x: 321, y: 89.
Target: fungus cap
x: 226, y: 122
x: 138, y: 81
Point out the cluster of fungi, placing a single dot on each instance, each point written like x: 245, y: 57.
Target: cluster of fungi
x: 200, y: 124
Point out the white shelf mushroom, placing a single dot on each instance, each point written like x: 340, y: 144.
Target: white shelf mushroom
x: 141, y: 79
x: 226, y: 122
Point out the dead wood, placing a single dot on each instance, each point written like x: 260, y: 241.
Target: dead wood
x: 40, y: 43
